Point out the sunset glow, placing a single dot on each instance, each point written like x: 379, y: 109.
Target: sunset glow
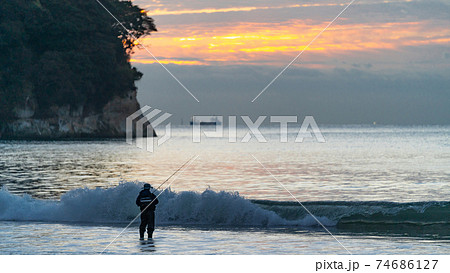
x: 157, y: 12
x: 340, y: 60
x: 268, y: 44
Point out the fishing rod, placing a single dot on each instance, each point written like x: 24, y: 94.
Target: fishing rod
x: 142, y: 211
x: 163, y: 184
x: 173, y: 174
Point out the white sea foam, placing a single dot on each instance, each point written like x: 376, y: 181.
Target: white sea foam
x: 117, y: 204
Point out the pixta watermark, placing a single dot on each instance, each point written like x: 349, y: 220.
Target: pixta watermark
x: 147, y: 119
x: 308, y: 129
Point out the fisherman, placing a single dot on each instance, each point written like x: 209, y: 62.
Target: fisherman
x: 147, y: 202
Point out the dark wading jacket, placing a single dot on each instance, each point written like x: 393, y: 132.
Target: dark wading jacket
x: 144, y: 198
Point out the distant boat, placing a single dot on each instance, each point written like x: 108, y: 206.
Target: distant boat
x: 213, y: 121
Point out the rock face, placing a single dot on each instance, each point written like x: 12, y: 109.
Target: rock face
x: 73, y: 122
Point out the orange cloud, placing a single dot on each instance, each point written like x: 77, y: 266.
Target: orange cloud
x: 167, y: 61
x: 165, y: 11
x: 265, y: 43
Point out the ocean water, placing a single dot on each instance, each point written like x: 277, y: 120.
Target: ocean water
x: 377, y: 189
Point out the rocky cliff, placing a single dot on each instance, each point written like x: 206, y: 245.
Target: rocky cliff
x: 72, y: 122
x: 67, y: 76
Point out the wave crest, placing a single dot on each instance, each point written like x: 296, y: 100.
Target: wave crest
x: 117, y: 204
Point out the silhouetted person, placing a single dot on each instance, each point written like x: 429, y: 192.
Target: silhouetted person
x: 147, y: 202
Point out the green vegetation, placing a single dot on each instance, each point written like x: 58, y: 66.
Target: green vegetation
x: 59, y: 52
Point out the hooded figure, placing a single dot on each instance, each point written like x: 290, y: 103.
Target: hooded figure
x: 147, y: 202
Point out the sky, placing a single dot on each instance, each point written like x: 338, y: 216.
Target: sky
x: 380, y: 61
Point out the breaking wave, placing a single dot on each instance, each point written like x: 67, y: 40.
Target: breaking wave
x: 117, y: 205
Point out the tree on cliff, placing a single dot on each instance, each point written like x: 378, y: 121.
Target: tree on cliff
x: 67, y: 52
